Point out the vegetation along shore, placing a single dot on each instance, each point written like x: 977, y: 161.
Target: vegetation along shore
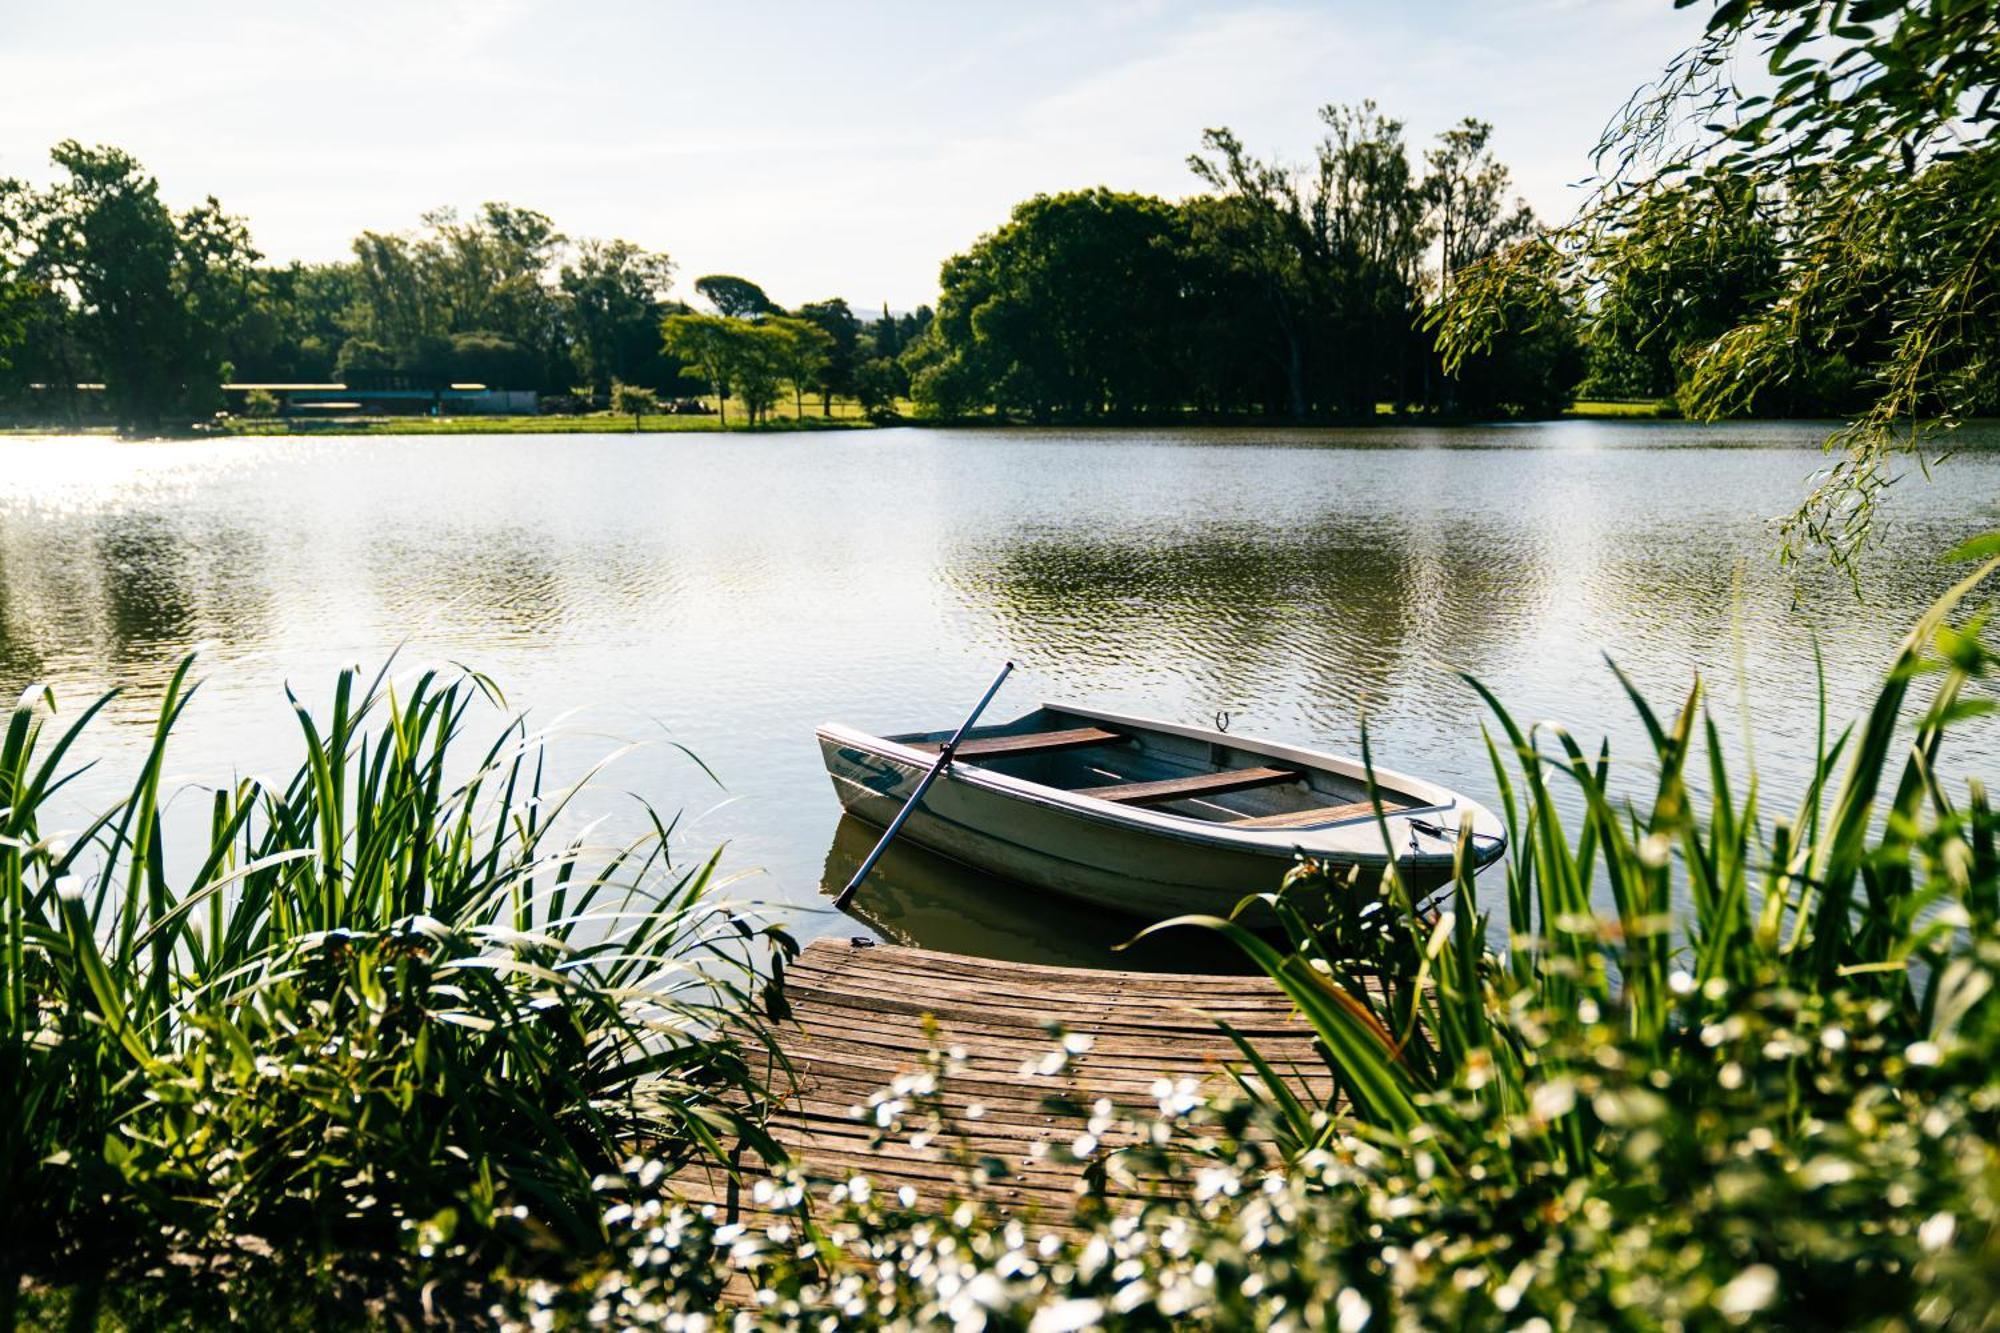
x: 400, y: 1034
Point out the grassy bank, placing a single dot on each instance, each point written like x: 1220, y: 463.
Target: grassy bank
x: 1650, y: 409
x: 595, y: 424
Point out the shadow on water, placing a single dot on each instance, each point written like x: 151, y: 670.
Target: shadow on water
x: 917, y: 898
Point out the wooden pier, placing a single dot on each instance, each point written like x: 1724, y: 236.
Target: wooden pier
x: 864, y: 1013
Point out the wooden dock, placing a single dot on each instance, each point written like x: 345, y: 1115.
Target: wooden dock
x: 864, y: 1013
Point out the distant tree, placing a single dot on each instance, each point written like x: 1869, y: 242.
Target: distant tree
x: 836, y: 378
x: 17, y: 308
x: 491, y: 274
x: 1067, y: 310
x: 260, y: 403
x: 634, y: 401
x: 733, y: 297
x: 702, y: 344
x: 878, y: 383
x: 363, y: 363
x: 1318, y: 270
x: 615, y: 291
x: 885, y: 336
x: 762, y: 354
x: 482, y: 357
x: 154, y: 294
x: 1465, y: 190
x: 295, y: 323
x: 804, y: 350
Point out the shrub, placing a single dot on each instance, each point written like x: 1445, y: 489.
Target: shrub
x: 387, y: 1007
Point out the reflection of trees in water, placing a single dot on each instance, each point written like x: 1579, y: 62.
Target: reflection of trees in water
x: 166, y: 588
x: 21, y: 660
x: 132, y: 595
x: 149, y: 586
x: 1341, y: 608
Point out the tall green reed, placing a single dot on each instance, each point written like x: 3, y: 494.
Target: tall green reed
x: 391, y: 1001
x: 1878, y: 886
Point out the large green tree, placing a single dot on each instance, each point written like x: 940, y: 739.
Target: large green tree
x: 491, y: 275
x: 616, y: 296
x: 1319, y: 267
x: 152, y: 294
x: 843, y: 349
x: 734, y: 297
x: 1066, y: 310
x: 295, y: 325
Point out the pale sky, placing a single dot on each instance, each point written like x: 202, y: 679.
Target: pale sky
x: 819, y: 149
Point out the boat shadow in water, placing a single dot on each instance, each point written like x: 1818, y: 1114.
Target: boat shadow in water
x: 918, y: 898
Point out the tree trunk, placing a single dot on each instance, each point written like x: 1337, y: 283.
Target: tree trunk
x: 1295, y: 374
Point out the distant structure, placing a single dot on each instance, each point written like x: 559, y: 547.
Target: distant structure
x: 332, y: 400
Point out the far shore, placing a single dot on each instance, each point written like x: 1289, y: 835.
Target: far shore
x: 605, y: 423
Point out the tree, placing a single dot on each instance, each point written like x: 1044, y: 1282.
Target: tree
x: 633, y: 400
x: 1465, y: 191
x: 803, y: 349
x: 154, y: 293
x: 615, y: 292
x: 843, y: 331
x: 1874, y: 123
x: 491, y: 274
x: 1319, y: 270
x: 760, y: 354
x: 733, y: 297
x: 1067, y: 310
x: 1694, y: 262
x: 703, y: 343
x: 17, y: 306
x: 877, y: 384
x: 294, y: 324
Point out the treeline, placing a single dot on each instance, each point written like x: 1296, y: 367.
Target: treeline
x: 1309, y: 292
x: 1281, y: 292
x: 102, y: 283
x: 1295, y: 292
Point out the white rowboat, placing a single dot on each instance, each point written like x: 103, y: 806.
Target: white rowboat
x: 1151, y: 818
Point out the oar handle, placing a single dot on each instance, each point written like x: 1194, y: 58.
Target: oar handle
x: 944, y: 758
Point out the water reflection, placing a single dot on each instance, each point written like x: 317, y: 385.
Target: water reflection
x: 917, y: 898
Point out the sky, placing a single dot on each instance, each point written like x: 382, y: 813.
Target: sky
x: 818, y: 149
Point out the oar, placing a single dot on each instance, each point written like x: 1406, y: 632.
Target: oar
x: 943, y: 760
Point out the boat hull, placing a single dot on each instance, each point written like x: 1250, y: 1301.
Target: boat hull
x: 1101, y: 858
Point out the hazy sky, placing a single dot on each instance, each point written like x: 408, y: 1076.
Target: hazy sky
x: 820, y: 149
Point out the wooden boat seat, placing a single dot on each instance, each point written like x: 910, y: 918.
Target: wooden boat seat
x: 1201, y: 784
x: 1034, y: 742
x: 1325, y: 814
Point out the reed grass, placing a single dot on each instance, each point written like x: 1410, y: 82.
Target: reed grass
x: 1878, y: 887
x: 392, y: 1004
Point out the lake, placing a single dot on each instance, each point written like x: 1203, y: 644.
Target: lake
x: 726, y: 593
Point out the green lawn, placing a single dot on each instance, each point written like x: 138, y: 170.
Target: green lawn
x: 1648, y: 408
x: 597, y: 423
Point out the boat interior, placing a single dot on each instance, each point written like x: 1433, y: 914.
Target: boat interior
x: 1196, y: 778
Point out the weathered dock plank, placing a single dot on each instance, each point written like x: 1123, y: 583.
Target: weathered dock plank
x: 863, y: 1013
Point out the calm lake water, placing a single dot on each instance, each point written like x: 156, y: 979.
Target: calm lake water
x: 729, y: 593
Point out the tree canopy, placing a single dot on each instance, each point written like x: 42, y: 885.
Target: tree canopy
x: 149, y: 293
